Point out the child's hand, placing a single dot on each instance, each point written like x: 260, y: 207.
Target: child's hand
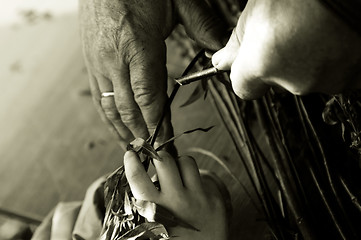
x: 183, y: 193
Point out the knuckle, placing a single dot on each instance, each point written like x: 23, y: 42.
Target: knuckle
x: 104, y: 51
x: 188, y: 161
x: 131, y: 43
x: 144, y: 95
x: 112, y: 115
x: 106, y: 44
x: 132, y: 50
x: 108, y: 103
x: 130, y: 117
x: 178, y: 200
x: 179, y: 197
x: 110, y: 109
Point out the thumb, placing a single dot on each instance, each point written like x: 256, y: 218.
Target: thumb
x: 201, y: 24
x: 231, y: 57
x: 240, y: 56
x: 224, y: 58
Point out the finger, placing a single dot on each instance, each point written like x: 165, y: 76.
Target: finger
x: 245, y: 82
x: 97, y: 103
x: 189, y: 172
x: 242, y: 56
x: 94, y: 87
x: 168, y: 173
x: 128, y: 109
x: 121, y: 141
x: 224, y: 58
x: 111, y: 112
x: 201, y: 23
x: 148, y: 76
x: 247, y: 69
x: 138, y: 179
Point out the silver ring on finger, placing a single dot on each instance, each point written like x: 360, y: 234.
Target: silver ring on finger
x: 107, y: 94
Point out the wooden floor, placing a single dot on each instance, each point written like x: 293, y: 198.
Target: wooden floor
x: 53, y: 143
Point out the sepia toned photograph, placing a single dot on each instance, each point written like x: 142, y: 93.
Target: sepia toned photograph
x: 180, y: 119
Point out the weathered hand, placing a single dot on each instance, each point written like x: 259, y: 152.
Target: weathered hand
x: 298, y: 45
x: 183, y: 193
x: 125, y: 52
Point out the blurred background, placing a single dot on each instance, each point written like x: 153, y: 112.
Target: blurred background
x: 53, y: 144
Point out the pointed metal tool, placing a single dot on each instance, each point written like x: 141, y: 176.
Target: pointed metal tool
x: 198, y: 76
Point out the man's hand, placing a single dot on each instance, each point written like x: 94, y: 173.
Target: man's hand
x: 183, y: 193
x: 125, y: 53
x: 297, y: 45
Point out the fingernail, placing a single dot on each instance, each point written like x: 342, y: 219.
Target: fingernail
x: 208, y: 54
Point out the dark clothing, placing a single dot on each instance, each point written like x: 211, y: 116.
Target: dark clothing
x: 348, y: 10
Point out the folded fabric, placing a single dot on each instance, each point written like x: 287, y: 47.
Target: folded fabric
x: 63, y: 221
x: 89, y: 222
x: 43, y: 232
x: 75, y: 220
